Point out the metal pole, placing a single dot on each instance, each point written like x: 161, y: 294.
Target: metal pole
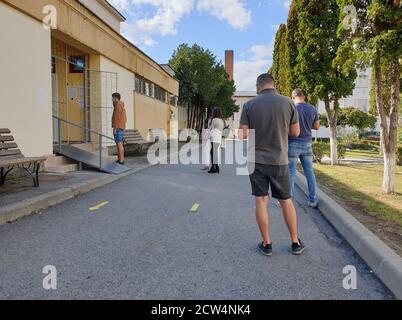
x: 100, y: 152
x: 59, y: 133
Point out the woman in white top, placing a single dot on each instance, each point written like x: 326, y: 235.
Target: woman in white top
x: 206, y: 146
x: 217, y: 126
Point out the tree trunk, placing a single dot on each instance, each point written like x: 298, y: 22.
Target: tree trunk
x: 388, y: 133
x: 332, y: 122
x: 388, y: 183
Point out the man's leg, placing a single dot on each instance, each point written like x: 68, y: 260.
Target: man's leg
x: 292, y: 173
x: 307, y: 163
x: 289, y: 213
x: 262, y: 215
x: 293, y: 156
x: 120, y: 151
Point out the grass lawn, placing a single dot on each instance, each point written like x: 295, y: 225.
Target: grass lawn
x: 359, y: 186
x: 362, y: 154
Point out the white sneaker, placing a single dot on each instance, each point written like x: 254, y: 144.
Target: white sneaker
x: 313, y: 205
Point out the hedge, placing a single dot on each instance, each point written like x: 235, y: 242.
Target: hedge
x: 399, y: 156
x: 321, y: 149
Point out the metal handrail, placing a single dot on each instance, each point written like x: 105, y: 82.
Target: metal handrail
x: 83, y: 128
x: 100, y: 135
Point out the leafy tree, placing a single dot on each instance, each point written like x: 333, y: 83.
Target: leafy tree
x: 204, y: 84
x: 353, y: 117
x: 292, y: 35
x: 377, y: 43
x: 325, y: 73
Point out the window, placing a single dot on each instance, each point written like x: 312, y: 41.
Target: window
x: 150, y: 89
x: 173, y: 101
x: 160, y: 94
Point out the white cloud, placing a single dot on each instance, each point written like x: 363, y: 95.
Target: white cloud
x: 233, y: 11
x: 167, y: 14
x: 246, y: 71
x: 164, y: 20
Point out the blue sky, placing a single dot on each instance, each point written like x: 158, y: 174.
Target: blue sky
x: 247, y: 27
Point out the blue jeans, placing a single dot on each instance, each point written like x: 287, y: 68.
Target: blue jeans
x: 304, y: 152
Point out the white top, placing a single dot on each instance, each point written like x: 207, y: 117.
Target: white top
x: 217, y: 126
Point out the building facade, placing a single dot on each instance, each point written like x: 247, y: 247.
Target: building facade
x: 70, y: 70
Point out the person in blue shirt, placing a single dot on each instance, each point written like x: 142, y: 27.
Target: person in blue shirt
x: 301, y: 147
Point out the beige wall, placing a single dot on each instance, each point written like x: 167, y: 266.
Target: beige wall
x: 83, y: 26
x: 150, y: 113
x: 25, y: 82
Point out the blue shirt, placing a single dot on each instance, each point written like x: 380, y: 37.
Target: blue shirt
x: 308, y: 115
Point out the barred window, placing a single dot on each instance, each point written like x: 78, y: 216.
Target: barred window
x: 142, y: 86
x: 173, y: 101
x: 150, y: 89
x: 160, y: 94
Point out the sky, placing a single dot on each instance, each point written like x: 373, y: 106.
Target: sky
x: 248, y: 27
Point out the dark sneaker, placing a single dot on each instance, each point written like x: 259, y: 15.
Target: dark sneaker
x: 297, y: 249
x: 265, y: 250
x: 120, y: 162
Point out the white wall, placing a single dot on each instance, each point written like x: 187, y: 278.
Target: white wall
x: 125, y: 86
x: 25, y: 82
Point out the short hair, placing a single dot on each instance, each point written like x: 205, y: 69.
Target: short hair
x: 216, y: 113
x: 116, y: 95
x: 298, y: 93
x: 265, y: 79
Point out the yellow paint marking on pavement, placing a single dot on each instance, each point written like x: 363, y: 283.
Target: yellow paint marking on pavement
x: 100, y: 205
x: 195, y: 207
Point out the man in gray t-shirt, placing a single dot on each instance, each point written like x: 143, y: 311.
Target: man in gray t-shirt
x: 271, y: 118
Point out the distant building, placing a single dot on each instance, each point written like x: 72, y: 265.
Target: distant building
x: 359, y: 99
x: 241, y: 98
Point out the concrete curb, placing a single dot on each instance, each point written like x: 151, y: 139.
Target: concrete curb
x: 385, y: 263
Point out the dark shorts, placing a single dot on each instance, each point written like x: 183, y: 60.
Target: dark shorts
x: 119, y: 135
x: 265, y: 177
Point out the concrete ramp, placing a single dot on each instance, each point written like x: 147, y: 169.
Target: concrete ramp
x: 90, y: 159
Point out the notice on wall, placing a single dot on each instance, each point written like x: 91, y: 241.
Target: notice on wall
x: 71, y: 92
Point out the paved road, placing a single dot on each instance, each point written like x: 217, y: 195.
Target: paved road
x: 146, y: 245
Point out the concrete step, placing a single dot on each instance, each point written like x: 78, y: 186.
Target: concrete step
x: 62, y: 168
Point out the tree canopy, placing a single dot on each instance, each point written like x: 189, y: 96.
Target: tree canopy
x: 204, y: 84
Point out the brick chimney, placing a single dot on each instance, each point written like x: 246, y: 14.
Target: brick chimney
x: 229, y: 63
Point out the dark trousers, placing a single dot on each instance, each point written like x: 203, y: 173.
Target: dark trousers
x: 214, y: 153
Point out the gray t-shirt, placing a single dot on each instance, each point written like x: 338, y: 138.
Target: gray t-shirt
x: 270, y: 115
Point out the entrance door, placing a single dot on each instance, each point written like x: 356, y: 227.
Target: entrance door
x: 68, y: 88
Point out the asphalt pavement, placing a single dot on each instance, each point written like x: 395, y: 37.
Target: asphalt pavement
x: 144, y: 243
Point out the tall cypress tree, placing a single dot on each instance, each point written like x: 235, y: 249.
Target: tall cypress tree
x: 320, y: 70
x: 291, y: 49
x: 278, y: 68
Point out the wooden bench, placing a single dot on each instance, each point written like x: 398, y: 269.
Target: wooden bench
x: 11, y: 158
x: 134, y: 143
